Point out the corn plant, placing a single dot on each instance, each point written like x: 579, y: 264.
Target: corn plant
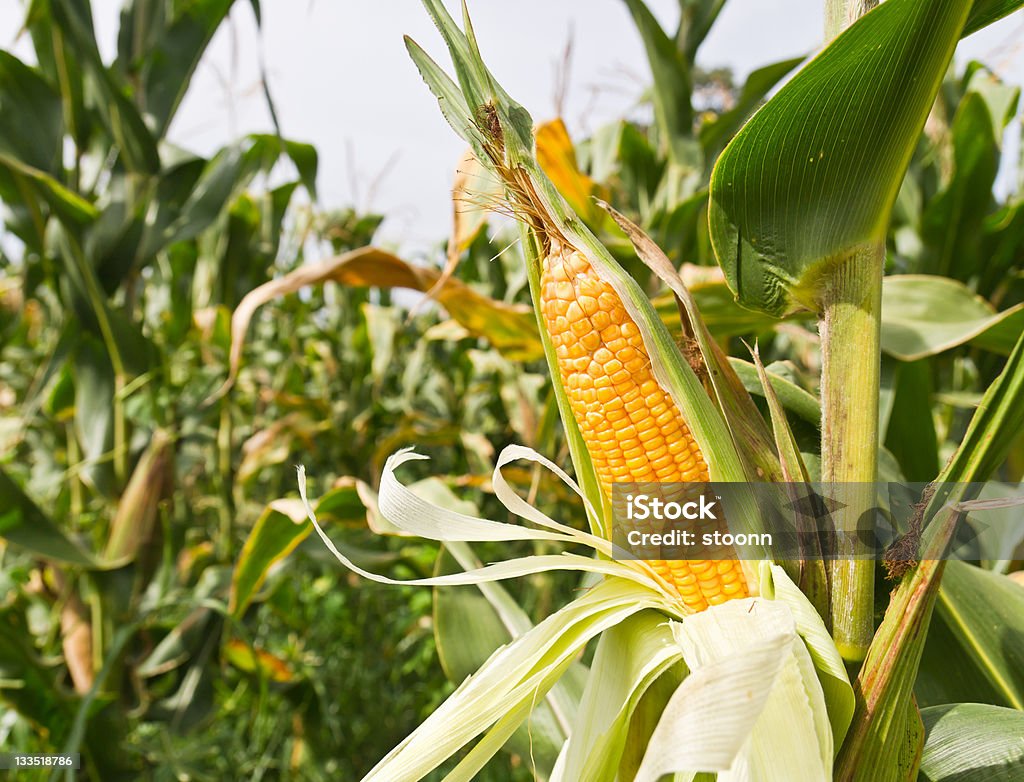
x: 720, y: 666
x: 588, y: 303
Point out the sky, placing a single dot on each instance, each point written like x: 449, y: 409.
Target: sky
x: 342, y: 80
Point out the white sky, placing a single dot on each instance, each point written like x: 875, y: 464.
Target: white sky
x: 342, y: 80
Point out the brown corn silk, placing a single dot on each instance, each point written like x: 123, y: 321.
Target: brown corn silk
x: 631, y: 426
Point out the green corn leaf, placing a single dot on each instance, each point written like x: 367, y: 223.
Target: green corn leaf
x: 910, y: 434
x: 971, y: 656
x: 718, y: 308
x: 814, y: 174
x: 25, y: 525
x: 66, y: 203
x: 29, y: 683
x: 972, y: 742
x: 222, y: 178
x: 117, y: 111
x: 504, y: 689
x: 715, y: 134
x: 161, y: 49
x: 953, y: 220
x: 35, y: 139
x: 793, y: 398
x: 95, y: 412
x: 995, y: 426
x: 182, y: 643
x: 696, y: 19
x: 186, y: 638
x: 279, y: 529
x: 985, y: 12
x: 924, y: 315
x: 30, y: 148
x: 672, y: 83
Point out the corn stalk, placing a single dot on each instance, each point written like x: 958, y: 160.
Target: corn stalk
x: 850, y: 329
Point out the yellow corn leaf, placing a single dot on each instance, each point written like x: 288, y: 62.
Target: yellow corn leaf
x: 247, y: 659
x: 557, y: 157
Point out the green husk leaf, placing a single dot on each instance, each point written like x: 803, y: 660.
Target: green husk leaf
x: 503, y: 691
x: 629, y: 658
x: 831, y: 670
x: 752, y: 706
x: 810, y: 569
x: 793, y: 468
x: 469, y: 628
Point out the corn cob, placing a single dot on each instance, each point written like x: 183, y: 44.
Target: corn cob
x: 631, y: 426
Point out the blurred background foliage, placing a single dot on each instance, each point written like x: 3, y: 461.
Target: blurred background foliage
x: 163, y: 610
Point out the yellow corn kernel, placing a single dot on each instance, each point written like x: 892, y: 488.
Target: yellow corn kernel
x: 631, y: 426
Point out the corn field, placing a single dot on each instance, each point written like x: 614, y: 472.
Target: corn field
x: 692, y: 450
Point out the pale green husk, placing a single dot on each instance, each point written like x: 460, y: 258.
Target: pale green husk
x: 752, y: 661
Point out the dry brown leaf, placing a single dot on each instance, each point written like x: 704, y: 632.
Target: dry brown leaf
x: 474, y: 193
x: 75, y: 633
x: 510, y: 328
